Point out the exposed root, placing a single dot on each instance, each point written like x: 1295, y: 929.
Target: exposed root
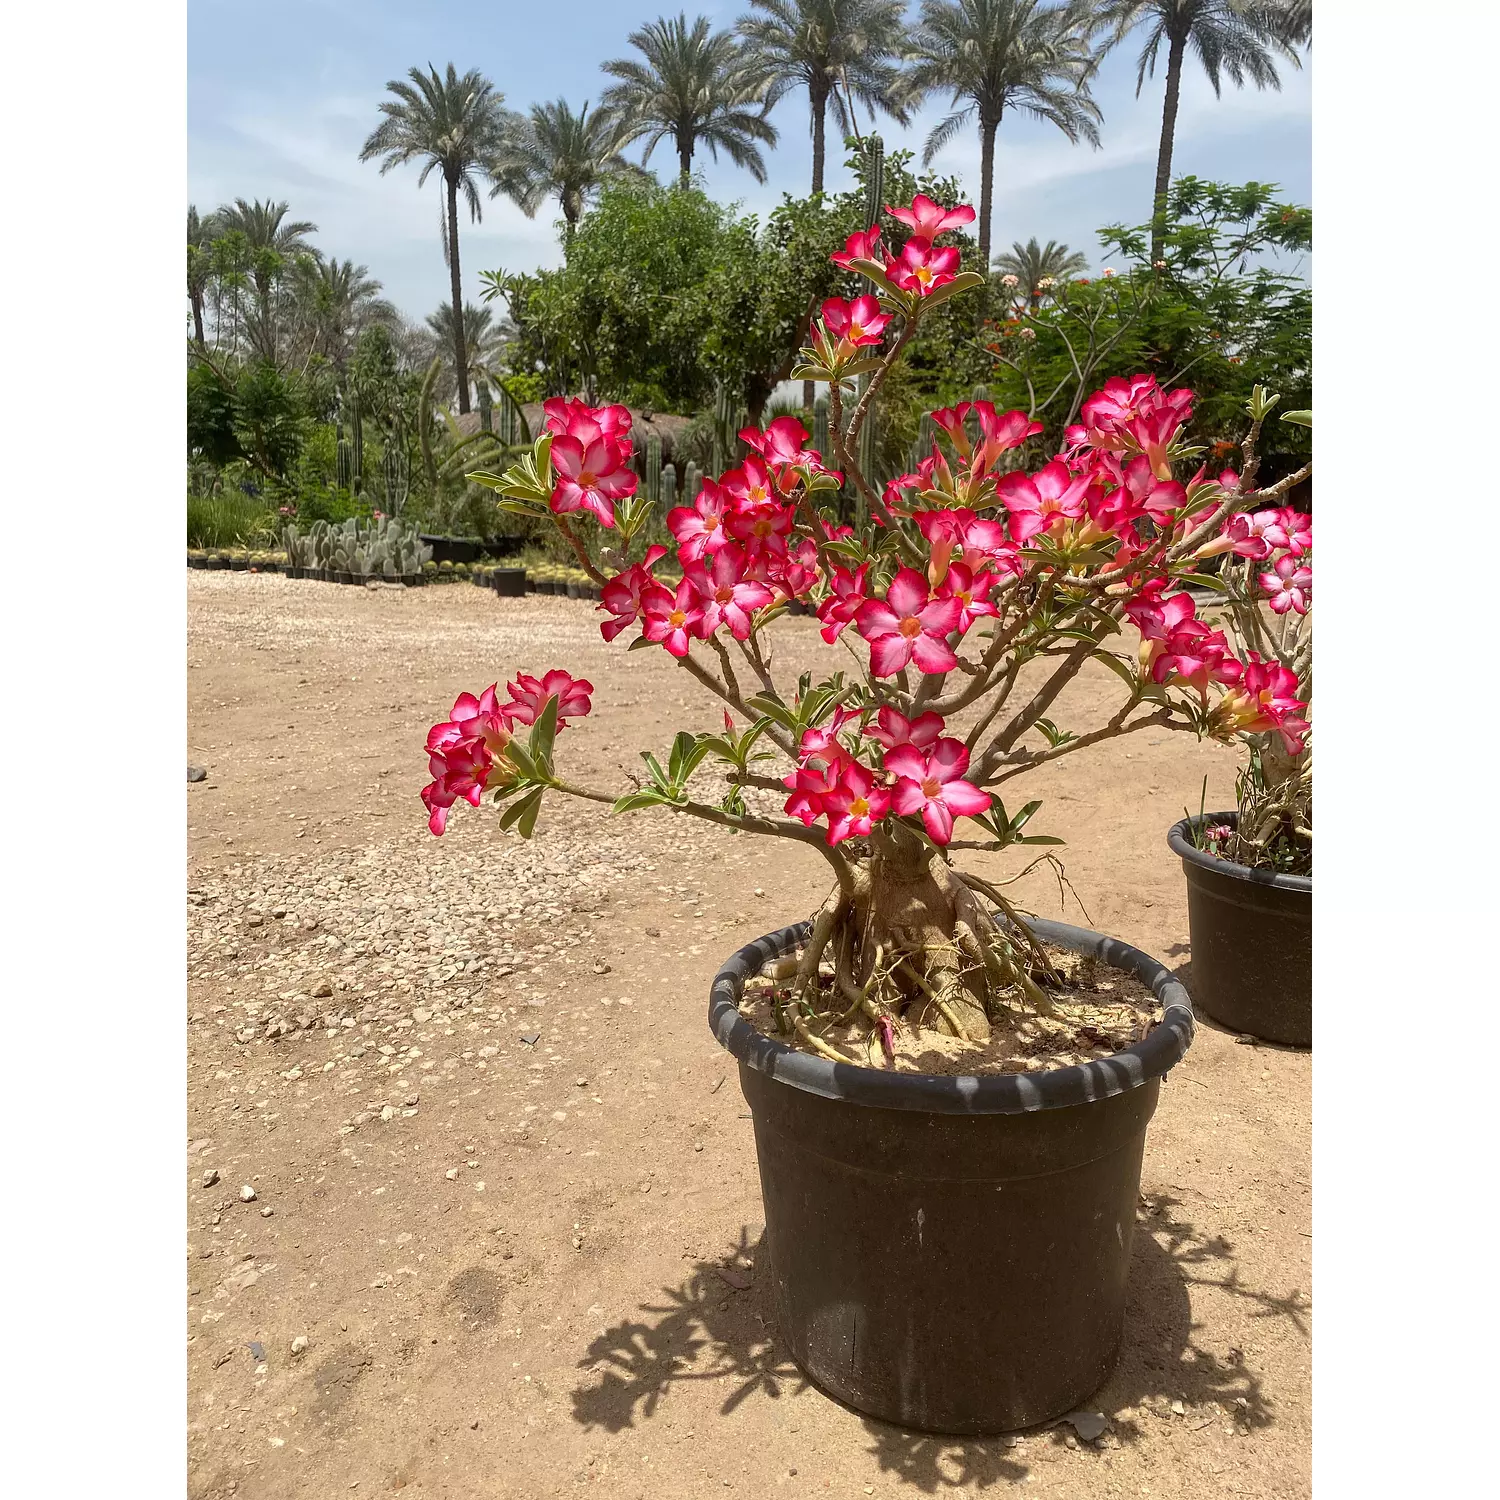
x: 910, y: 940
x: 818, y: 1045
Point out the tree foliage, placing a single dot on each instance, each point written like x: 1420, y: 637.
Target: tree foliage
x: 1221, y: 313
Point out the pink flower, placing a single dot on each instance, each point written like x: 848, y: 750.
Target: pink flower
x: 529, y: 697
x: 673, y: 618
x: 921, y: 269
x: 1003, y: 430
x: 699, y: 528
x: 908, y: 626
x: 1262, y: 700
x: 971, y: 589
x: 843, y: 603
x: 1156, y: 618
x: 459, y: 770
x: 1192, y: 655
x: 1298, y: 529
x: 621, y: 596
x: 930, y: 219
x: 750, y: 484
x: 808, y: 786
x: 1256, y: 534
x: 762, y: 528
x: 950, y: 419
x: 783, y: 446
x: 726, y: 596
x: 821, y: 744
x: 892, y: 728
x: 483, y: 718
x: 573, y: 418
x: 858, y: 322
x: 591, y: 476
x: 862, y: 246
x: 1288, y: 585
x: 854, y: 804
x: 931, y: 784
x: 1036, y: 502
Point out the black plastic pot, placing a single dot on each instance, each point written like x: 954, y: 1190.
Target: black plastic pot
x: 454, y: 549
x: 951, y: 1254
x: 510, y: 583
x: 1251, y: 932
x: 239, y: 564
x: 575, y: 590
x: 216, y: 563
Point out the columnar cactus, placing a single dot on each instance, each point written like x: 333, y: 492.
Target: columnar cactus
x: 653, y: 469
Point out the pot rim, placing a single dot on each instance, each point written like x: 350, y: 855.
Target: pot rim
x: 1181, y: 845
x: 966, y: 1094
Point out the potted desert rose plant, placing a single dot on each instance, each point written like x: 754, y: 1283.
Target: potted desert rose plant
x: 1249, y: 872
x: 950, y: 1098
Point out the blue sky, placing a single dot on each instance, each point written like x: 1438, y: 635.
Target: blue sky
x: 282, y: 95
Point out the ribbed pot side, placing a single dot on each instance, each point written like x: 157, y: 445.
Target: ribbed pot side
x: 952, y: 1254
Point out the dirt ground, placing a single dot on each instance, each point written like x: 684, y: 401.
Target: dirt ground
x: 526, y: 1268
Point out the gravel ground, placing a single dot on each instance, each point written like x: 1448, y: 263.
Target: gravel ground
x: 472, y: 1199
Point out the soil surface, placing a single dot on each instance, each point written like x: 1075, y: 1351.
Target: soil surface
x: 1096, y: 1011
x: 473, y: 1207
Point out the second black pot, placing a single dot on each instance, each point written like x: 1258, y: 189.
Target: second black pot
x: 1251, y: 934
x: 951, y: 1254
x: 510, y: 583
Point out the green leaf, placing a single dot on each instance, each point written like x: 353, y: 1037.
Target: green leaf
x: 543, y: 732
x: 811, y: 372
x: 965, y: 281
x: 1298, y: 418
x: 522, y: 812
x: 1023, y: 817
x: 518, y: 755
x: 876, y: 272
x: 633, y: 800
x: 530, y: 806
x: 1203, y: 580
x: 1119, y: 668
x: 1041, y: 838
x: 774, y: 709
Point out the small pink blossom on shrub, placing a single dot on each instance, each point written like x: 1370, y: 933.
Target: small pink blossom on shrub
x: 909, y: 626
x: 932, y: 785
x: 928, y: 219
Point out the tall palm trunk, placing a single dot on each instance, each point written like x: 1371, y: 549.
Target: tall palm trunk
x: 818, y: 95
x: 684, y: 163
x: 197, y: 301
x: 1164, y: 151
x: 460, y: 349
x: 987, y: 129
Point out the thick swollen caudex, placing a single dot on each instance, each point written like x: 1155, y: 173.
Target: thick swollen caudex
x: 978, y: 586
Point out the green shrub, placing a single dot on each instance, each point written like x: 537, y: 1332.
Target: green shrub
x: 230, y: 518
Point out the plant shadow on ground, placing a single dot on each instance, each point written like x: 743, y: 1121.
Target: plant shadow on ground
x: 719, y: 1325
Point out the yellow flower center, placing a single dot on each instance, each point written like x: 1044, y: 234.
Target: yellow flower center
x: 858, y: 808
x: 587, y: 481
x: 677, y: 618
x: 932, y: 787
x: 911, y: 626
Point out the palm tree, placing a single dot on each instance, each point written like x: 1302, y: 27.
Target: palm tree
x: 555, y: 153
x: 995, y: 55
x: 452, y: 124
x: 480, y: 341
x: 1234, y: 37
x: 201, y: 234
x: 272, y: 240
x: 1032, y: 265
x: 692, y: 87
x: 337, y: 300
x: 819, y: 45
